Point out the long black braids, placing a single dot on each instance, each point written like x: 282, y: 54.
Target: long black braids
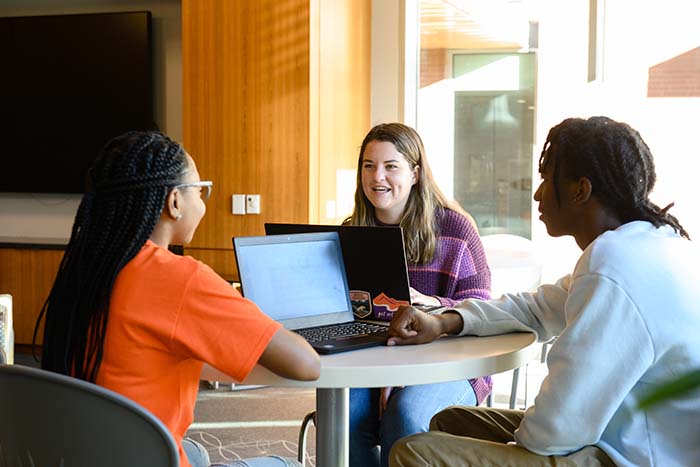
x: 131, y: 179
x: 617, y: 161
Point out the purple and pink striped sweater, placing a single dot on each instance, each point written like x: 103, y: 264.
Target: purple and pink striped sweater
x: 458, y: 271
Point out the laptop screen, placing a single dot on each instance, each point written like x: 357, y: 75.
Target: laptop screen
x: 375, y: 265
x: 297, y: 279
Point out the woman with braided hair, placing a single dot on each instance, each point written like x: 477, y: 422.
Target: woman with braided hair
x: 626, y: 320
x: 127, y: 314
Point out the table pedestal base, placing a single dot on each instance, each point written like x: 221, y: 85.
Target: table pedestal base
x: 332, y: 427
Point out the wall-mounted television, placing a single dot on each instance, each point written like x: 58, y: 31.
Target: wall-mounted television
x: 69, y: 83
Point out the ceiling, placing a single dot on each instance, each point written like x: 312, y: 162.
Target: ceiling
x: 476, y: 24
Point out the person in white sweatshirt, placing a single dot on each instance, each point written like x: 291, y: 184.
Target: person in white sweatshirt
x: 626, y: 320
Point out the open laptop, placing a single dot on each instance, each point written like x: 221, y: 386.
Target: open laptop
x: 299, y: 280
x: 375, y: 264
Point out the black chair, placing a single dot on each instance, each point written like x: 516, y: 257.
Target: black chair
x: 50, y: 420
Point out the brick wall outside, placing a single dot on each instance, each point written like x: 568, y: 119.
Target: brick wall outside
x: 677, y: 77
x: 432, y: 66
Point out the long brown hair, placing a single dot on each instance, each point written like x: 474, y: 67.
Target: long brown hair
x: 419, y: 220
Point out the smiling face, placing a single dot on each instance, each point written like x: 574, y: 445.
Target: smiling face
x: 387, y: 179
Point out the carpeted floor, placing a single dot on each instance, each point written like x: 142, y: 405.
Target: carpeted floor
x: 252, y: 422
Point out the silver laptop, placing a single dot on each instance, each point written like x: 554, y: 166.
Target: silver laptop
x: 299, y: 280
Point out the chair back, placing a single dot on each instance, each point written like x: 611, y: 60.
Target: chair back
x: 50, y: 419
x: 7, y: 340
x: 515, y: 264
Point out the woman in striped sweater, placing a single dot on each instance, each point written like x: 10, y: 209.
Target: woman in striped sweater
x: 446, y: 265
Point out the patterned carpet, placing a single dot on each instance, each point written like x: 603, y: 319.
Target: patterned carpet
x: 252, y: 422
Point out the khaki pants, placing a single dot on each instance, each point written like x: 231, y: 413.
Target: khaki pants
x: 477, y: 436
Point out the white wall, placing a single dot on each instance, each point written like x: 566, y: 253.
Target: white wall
x: 394, y: 68
x: 386, y: 76
x: 658, y: 31
x: 51, y: 216
x: 636, y: 36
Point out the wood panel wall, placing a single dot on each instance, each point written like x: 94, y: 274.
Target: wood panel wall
x: 27, y: 275
x: 433, y: 66
x: 275, y: 102
x: 246, y: 109
x: 343, y: 89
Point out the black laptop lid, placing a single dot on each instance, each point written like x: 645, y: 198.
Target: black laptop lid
x: 298, y: 280
x: 375, y: 264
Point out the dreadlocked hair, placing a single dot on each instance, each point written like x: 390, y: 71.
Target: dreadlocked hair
x: 130, y: 178
x: 617, y: 161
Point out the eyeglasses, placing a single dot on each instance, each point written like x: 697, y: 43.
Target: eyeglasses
x: 205, y: 186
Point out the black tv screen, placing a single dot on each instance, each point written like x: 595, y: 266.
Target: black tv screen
x: 69, y: 83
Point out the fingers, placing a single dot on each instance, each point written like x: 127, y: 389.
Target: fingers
x: 412, y: 340
x: 422, y: 337
x: 401, y: 336
x: 418, y: 298
x: 402, y: 321
x: 410, y: 326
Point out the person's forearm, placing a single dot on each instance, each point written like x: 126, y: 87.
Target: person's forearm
x: 451, y: 322
x: 290, y: 356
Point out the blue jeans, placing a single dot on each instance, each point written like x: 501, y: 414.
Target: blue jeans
x: 198, y: 457
x: 409, y: 411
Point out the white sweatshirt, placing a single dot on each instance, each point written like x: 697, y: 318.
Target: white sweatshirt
x: 627, y: 319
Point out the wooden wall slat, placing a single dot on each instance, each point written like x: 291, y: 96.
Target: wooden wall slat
x: 246, y: 110
x: 276, y: 101
x: 27, y: 275
x: 344, y: 96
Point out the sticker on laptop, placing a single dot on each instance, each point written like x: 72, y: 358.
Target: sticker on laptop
x: 385, y: 306
x: 361, y: 303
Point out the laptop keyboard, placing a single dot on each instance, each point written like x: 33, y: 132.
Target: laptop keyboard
x: 338, y: 331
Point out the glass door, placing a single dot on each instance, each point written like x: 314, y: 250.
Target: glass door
x: 493, y: 143
x: 475, y: 107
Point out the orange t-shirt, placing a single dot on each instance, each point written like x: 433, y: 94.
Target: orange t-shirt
x: 168, y: 314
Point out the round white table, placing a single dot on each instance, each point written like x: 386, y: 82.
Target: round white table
x: 446, y: 359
